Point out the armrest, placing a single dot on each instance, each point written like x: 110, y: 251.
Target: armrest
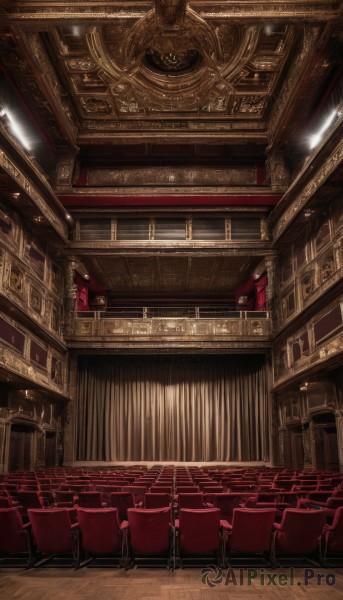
x: 74, y: 526
x: 124, y: 525
x: 276, y: 526
x: 27, y: 526
x: 225, y: 525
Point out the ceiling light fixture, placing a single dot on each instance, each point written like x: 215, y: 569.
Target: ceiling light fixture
x: 317, y: 137
x: 16, y: 128
x: 268, y: 29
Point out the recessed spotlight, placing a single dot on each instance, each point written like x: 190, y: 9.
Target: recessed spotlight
x: 76, y: 31
x: 17, y: 129
x: 317, y: 137
x: 268, y: 29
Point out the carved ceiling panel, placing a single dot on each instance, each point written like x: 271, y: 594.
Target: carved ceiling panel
x: 171, y: 275
x: 128, y: 71
x: 196, y: 68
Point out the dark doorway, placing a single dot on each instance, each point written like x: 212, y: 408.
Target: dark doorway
x: 50, y: 449
x: 325, y: 433
x: 20, y: 454
x: 298, y: 450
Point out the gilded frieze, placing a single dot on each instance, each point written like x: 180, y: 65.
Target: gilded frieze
x: 172, y: 176
x: 168, y: 328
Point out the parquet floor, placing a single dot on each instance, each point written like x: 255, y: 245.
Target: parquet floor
x: 161, y: 584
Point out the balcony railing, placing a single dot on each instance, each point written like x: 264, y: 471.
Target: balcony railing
x: 172, y: 312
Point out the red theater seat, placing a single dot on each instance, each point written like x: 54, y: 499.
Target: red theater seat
x: 150, y: 534
x: 53, y: 533
x: 101, y: 534
x: 250, y: 531
x: 299, y: 532
x: 14, y: 535
x: 198, y: 534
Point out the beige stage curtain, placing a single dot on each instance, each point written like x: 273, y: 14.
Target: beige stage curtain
x: 172, y: 409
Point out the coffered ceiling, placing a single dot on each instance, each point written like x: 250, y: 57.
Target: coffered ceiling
x: 190, y: 98
x: 174, y: 71
x: 181, y: 275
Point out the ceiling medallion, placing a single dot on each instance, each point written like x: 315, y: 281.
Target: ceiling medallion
x: 174, y: 60
x: 171, y: 60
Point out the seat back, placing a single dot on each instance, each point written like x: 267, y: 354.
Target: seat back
x: 13, y: 538
x: 153, y: 500
x: 300, y: 530
x: 138, y: 491
x: 335, y: 502
x: 122, y: 501
x: 30, y: 499
x: 251, y: 529
x: 226, y: 502
x: 90, y: 499
x: 51, y: 529
x: 5, y: 502
x: 199, y: 530
x: 187, y: 500
x: 100, y: 530
x: 64, y: 496
x: 149, y: 530
x: 334, y: 537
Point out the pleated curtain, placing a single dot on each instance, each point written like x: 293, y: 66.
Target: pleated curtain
x: 172, y: 409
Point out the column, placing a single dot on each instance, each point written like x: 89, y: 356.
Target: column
x: 69, y: 417
x: 70, y: 299
x: 339, y: 425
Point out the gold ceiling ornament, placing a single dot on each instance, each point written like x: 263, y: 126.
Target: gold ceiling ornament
x: 173, y: 60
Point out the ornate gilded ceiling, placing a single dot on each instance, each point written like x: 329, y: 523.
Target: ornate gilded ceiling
x: 202, y: 97
x: 104, y: 72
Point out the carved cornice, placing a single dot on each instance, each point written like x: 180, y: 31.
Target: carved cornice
x: 293, y: 81
x: 171, y: 347
x: 316, y: 171
x: 25, y: 173
x: 153, y: 248
x: 38, y: 10
x: 48, y: 81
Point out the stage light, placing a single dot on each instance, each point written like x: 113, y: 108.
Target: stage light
x: 268, y: 29
x: 317, y: 137
x: 17, y: 129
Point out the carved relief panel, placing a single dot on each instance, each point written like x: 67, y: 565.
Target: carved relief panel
x: 313, y: 262
x: 320, y: 338
x: 28, y: 273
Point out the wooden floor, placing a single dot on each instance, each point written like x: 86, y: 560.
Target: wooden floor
x: 156, y: 584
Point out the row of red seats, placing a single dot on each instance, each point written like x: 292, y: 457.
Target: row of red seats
x: 164, y: 482
x: 92, y: 533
